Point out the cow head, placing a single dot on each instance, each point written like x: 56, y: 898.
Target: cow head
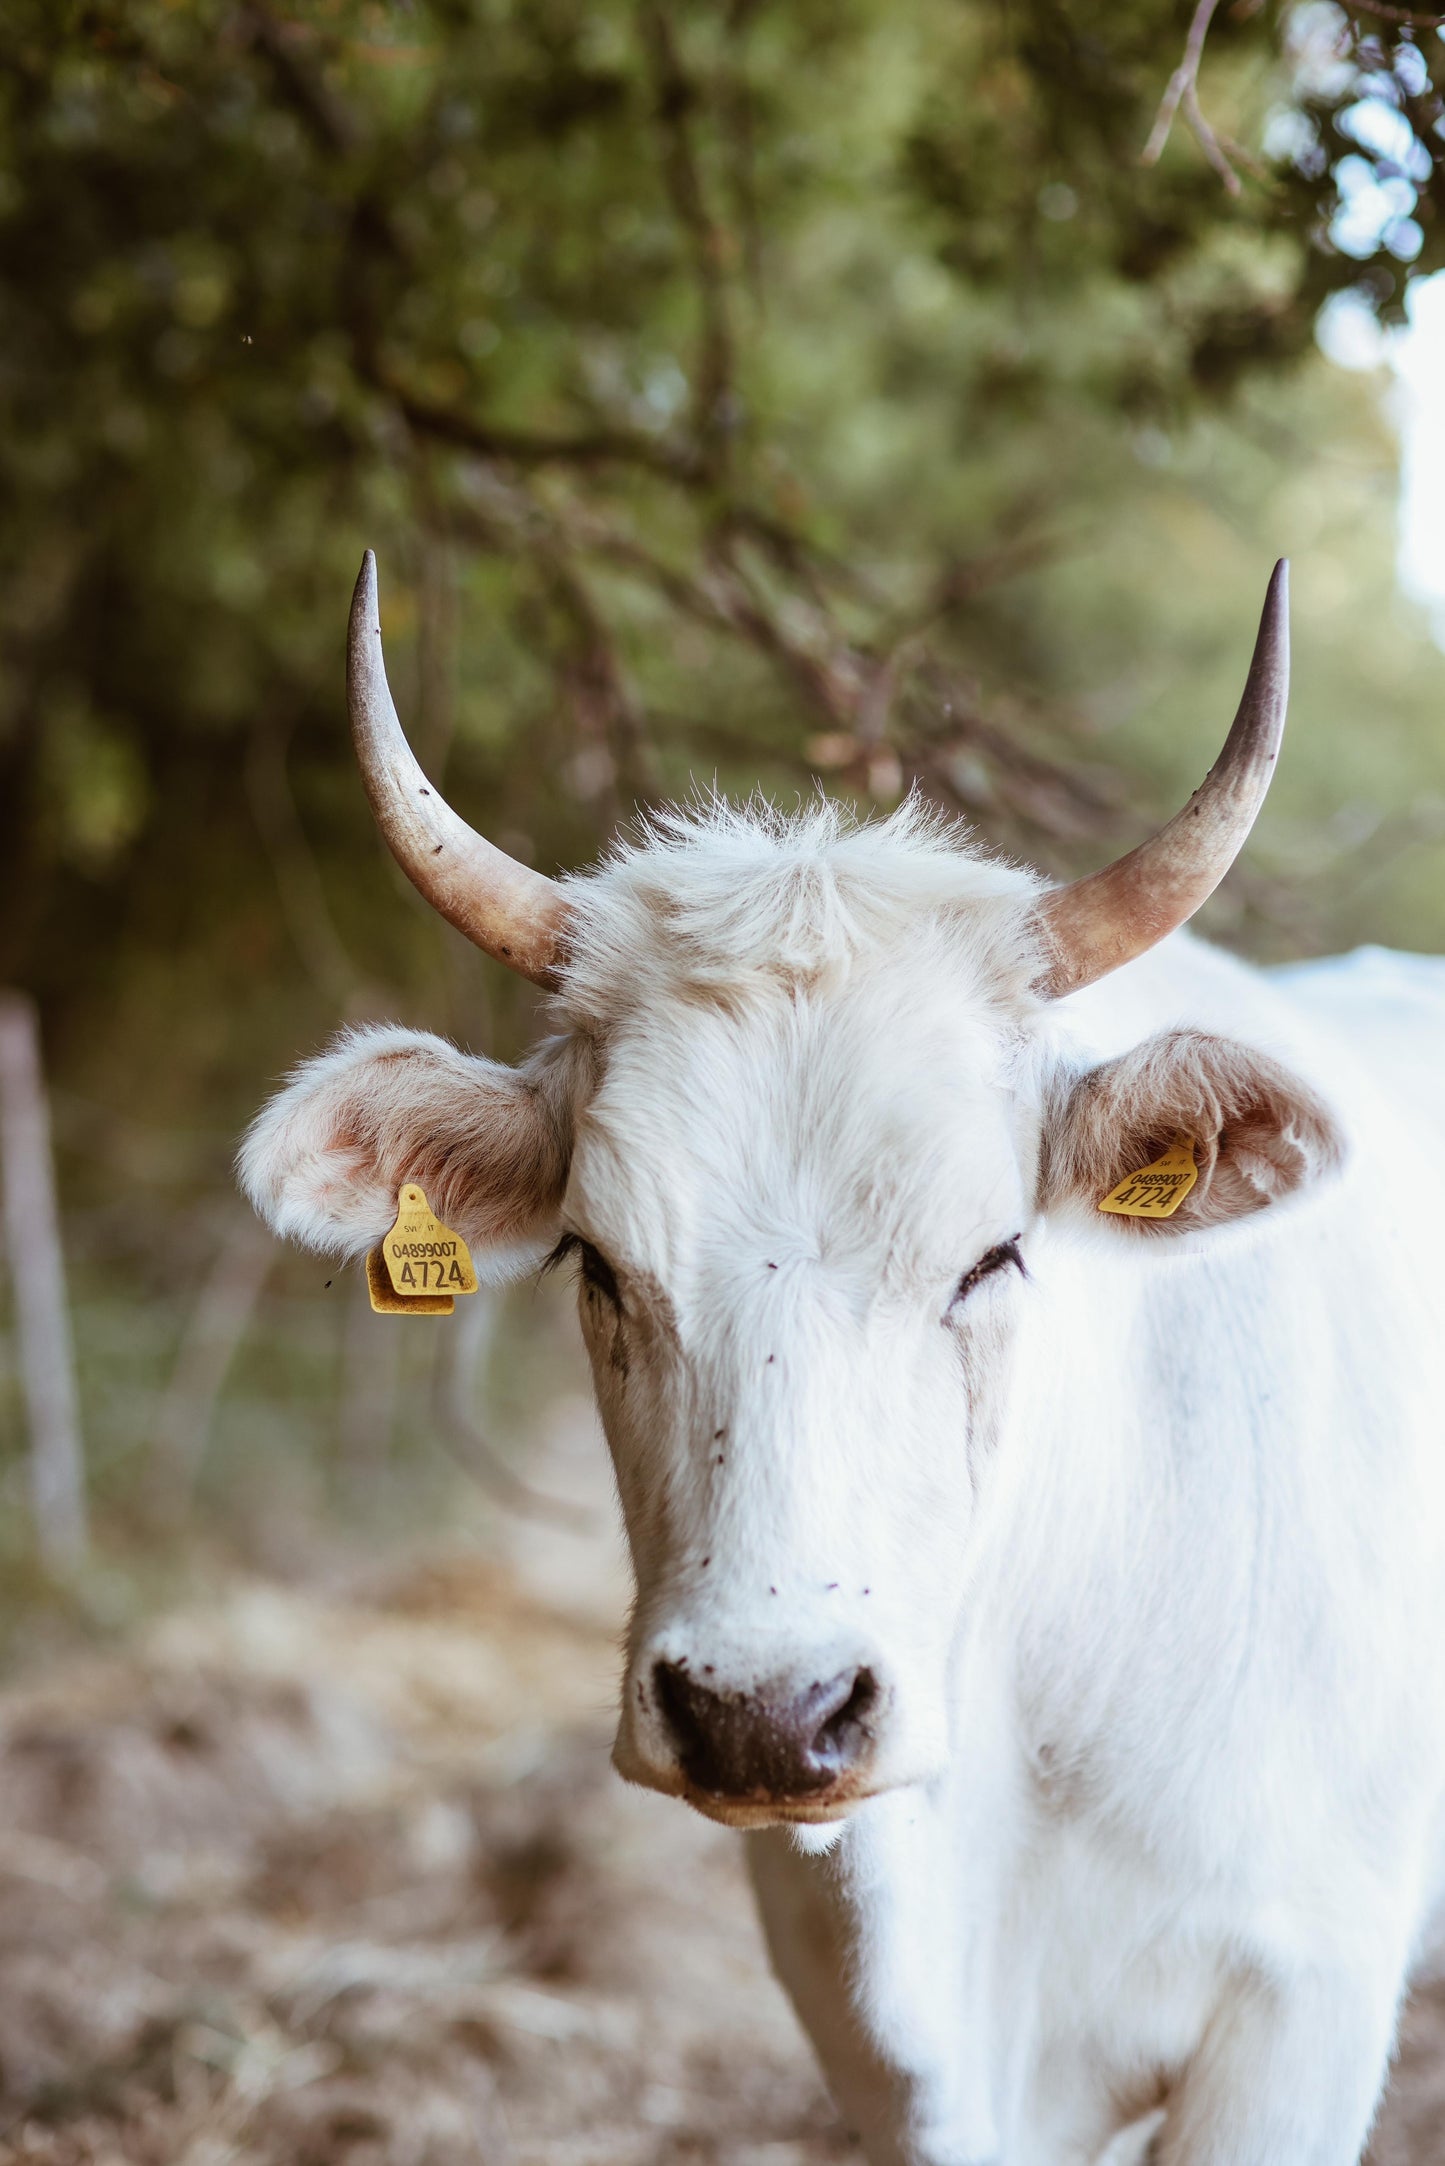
x: 807, y: 1109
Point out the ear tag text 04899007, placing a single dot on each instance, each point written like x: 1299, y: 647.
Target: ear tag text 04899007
x: 420, y: 1265
x: 1156, y: 1191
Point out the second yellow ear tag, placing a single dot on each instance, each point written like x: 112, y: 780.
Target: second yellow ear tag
x: 1156, y: 1191
x: 420, y: 1264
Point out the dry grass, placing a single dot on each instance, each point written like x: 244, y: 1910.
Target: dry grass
x: 349, y: 1883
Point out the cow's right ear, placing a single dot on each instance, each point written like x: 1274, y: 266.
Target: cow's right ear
x: 323, y: 1162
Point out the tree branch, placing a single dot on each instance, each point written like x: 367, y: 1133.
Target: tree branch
x: 298, y: 877
x: 214, y: 1331
x: 593, y: 677
x: 1405, y: 17
x: 330, y: 120
x: 1182, y: 94
x: 528, y: 447
x: 713, y: 404
x: 589, y: 668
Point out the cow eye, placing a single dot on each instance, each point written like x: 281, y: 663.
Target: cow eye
x: 995, y: 1259
x: 595, y: 1270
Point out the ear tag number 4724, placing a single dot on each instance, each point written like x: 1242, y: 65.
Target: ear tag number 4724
x: 1156, y: 1191
x: 420, y: 1265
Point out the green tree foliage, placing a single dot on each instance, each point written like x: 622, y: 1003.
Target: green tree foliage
x: 727, y: 363
x: 751, y: 389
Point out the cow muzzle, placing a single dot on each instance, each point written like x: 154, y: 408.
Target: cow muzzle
x: 765, y: 1744
x: 753, y: 1753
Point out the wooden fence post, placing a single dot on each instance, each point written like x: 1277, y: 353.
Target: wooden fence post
x: 37, y: 1278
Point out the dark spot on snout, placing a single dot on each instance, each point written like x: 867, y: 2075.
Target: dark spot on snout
x: 768, y: 1743
x: 718, y: 1435
x: 438, y: 849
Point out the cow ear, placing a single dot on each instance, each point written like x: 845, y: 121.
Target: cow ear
x: 1260, y: 1134
x: 323, y: 1162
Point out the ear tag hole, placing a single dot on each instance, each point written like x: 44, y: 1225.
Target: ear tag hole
x: 1156, y: 1191
x: 421, y: 1265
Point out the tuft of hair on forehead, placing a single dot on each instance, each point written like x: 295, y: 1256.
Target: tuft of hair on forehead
x: 725, y: 901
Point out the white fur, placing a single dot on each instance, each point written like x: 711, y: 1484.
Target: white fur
x: 1147, y: 1549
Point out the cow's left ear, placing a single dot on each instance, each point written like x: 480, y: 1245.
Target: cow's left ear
x: 1260, y: 1134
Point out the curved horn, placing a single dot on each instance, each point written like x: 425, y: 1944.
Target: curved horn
x: 510, y: 911
x: 1095, y: 924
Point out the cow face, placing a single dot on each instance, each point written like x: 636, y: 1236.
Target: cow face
x: 798, y: 1134
x: 799, y: 1227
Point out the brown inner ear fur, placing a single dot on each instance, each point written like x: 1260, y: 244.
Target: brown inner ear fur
x: 488, y: 1150
x: 323, y: 1162
x: 1259, y: 1132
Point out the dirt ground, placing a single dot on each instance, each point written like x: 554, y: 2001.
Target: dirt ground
x: 342, y: 1878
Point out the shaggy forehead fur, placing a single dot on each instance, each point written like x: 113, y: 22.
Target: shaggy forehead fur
x: 731, y: 903
x: 801, y: 1024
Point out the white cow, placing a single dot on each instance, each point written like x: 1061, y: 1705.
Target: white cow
x: 1057, y: 1599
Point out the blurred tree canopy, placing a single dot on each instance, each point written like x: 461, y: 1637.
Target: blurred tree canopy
x: 752, y: 388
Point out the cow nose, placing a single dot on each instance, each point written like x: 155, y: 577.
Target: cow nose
x: 768, y: 1741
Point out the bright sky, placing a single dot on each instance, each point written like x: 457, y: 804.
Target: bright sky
x: 1418, y: 356
x: 1415, y: 354
x: 1378, y: 197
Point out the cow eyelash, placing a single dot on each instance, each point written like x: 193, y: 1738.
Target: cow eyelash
x: 595, y: 1270
x: 995, y: 1259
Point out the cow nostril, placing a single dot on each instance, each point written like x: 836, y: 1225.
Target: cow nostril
x: 724, y: 1741
x: 840, y: 1738
x: 677, y: 1701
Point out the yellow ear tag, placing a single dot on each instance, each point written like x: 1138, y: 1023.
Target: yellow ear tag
x: 420, y: 1264
x: 1156, y: 1191
x: 387, y: 1303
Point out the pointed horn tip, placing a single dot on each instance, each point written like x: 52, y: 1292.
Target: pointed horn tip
x: 1272, y: 642
x: 1275, y: 613
x: 365, y: 588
